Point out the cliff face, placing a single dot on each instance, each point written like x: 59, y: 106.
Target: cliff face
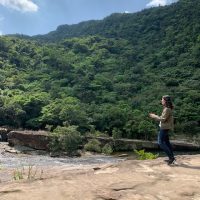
x: 128, y: 180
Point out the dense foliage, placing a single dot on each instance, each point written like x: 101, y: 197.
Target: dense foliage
x: 107, y: 78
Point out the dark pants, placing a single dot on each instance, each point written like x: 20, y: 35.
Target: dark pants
x: 164, y: 143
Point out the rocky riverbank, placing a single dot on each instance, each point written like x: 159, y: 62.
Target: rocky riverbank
x: 20, y: 158
x: 125, y: 180
x: 39, y: 140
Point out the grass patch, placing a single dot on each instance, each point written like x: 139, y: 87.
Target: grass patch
x: 142, y: 155
x: 31, y: 173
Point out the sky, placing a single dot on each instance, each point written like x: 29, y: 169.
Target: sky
x: 32, y: 17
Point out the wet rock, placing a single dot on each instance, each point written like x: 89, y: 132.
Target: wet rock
x: 123, y: 155
x: 12, y: 151
x: 54, y: 154
x: 61, y: 154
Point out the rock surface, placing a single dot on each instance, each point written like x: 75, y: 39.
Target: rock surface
x: 34, y: 139
x: 40, y: 139
x: 131, y: 144
x: 4, y: 134
x: 128, y: 180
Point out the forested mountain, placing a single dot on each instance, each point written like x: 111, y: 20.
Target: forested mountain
x: 154, y: 23
x: 106, y: 75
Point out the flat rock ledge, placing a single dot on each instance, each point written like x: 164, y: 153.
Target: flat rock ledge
x: 130, y: 144
x: 128, y: 180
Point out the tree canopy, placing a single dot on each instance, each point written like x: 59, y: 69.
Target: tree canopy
x: 106, y: 75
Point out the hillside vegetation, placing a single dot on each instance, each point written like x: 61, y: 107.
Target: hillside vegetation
x: 107, y: 75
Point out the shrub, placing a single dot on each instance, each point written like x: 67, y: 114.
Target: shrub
x: 93, y: 145
x: 101, y: 134
x: 65, y: 139
x: 142, y: 155
x: 107, y: 149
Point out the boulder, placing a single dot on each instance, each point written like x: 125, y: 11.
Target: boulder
x: 35, y: 139
x: 4, y: 134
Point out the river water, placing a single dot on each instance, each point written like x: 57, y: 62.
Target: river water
x: 15, y: 160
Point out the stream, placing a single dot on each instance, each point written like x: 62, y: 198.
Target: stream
x: 12, y: 158
x: 16, y: 159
